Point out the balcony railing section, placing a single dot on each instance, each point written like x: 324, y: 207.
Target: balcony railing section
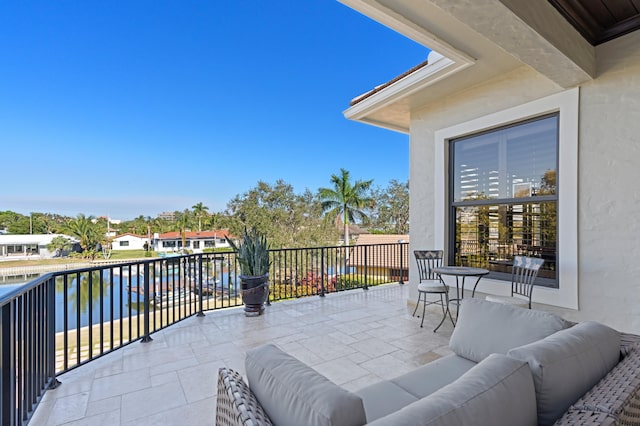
x: 65, y: 319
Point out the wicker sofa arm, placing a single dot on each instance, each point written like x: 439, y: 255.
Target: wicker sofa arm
x: 236, y: 405
x: 615, y: 400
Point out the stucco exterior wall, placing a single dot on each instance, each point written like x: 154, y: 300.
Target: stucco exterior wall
x: 608, y: 168
x: 609, y: 191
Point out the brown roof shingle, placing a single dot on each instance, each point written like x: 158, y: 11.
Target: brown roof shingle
x: 377, y: 89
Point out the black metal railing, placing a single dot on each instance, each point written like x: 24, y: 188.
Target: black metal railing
x: 62, y: 320
x: 27, y: 349
x: 497, y: 256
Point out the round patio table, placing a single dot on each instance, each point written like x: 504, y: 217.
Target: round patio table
x: 461, y: 272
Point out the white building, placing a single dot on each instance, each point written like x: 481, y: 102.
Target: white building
x: 14, y: 246
x: 195, y: 241
x: 128, y: 241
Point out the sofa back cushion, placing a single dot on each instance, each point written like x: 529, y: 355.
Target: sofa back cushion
x: 485, y: 327
x: 293, y: 393
x: 498, y: 391
x: 567, y: 364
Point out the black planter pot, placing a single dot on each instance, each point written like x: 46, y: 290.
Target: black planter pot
x: 255, y: 290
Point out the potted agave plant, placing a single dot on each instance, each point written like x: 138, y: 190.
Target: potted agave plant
x: 252, y: 253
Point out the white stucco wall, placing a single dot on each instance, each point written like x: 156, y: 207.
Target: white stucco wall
x: 608, y: 166
x: 609, y: 193
x: 135, y: 243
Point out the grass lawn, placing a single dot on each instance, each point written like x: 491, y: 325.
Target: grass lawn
x: 129, y: 254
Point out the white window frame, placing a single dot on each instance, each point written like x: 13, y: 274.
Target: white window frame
x: 567, y: 105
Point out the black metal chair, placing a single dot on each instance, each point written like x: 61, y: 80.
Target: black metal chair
x: 431, y: 283
x: 523, y: 275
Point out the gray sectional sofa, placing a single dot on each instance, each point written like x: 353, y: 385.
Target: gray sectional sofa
x: 510, y: 366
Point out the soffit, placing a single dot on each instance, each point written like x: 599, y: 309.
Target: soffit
x: 600, y: 20
x: 436, y: 29
x: 484, y: 39
x: 491, y: 37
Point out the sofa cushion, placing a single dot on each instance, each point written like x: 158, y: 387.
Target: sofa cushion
x: 429, y: 378
x: 384, y: 398
x: 567, y: 364
x: 616, y: 396
x: 498, y: 391
x: 292, y: 393
x: 485, y: 327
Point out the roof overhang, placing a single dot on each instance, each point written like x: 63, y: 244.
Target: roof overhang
x: 391, y: 101
x: 475, y: 41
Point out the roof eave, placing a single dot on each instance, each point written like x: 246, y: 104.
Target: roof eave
x: 438, y: 68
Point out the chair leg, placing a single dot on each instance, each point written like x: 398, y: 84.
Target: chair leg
x: 449, y: 310
x: 444, y: 310
x: 417, y: 304
x: 424, y: 306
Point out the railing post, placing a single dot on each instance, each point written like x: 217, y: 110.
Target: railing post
x: 401, y: 268
x: 200, y: 293
x: 7, y: 363
x: 272, y: 274
x: 366, y: 269
x: 147, y: 294
x: 321, y: 272
x: 51, y: 337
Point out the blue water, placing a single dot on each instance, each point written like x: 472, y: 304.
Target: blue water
x: 118, y: 293
x: 6, y: 288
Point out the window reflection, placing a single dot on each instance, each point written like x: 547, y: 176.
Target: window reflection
x: 511, y: 162
x: 497, y: 179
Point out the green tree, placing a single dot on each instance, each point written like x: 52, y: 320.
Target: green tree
x: 20, y: 226
x: 183, y: 221
x: 345, y: 201
x: 200, y: 211
x: 286, y: 218
x: 390, y: 208
x: 47, y: 223
x: 89, y: 232
x: 8, y: 218
x: 59, y: 245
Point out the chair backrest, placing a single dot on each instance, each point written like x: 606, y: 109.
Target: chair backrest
x: 428, y: 260
x: 525, y: 271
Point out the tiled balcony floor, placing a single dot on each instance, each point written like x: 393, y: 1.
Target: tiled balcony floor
x: 354, y: 338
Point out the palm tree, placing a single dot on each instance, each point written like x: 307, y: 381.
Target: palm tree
x: 200, y: 210
x: 345, y: 201
x: 183, y: 221
x: 86, y: 230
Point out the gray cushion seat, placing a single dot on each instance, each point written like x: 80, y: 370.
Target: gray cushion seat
x: 481, y: 396
x: 387, y: 396
x: 435, y: 286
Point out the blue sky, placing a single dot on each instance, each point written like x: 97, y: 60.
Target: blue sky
x: 128, y: 108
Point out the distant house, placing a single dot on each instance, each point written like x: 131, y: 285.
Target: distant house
x: 195, y: 241
x: 170, y: 216
x: 381, y: 255
x: 27, y: 246
x: 354, y: 232
x: 129, y: 241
